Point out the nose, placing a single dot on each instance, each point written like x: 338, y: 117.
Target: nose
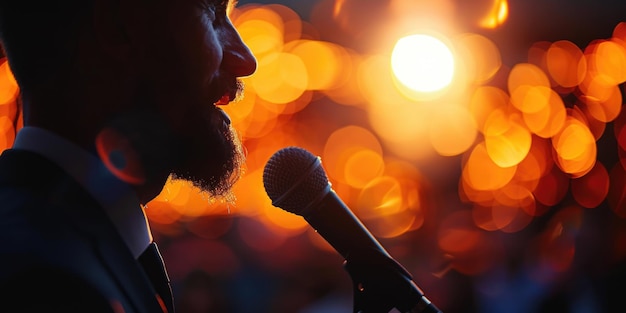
x: 237, y: 58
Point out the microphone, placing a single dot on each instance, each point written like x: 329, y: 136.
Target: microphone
x: 295, y: 181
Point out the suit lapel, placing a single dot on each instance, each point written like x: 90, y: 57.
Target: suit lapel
x: 33, y: 171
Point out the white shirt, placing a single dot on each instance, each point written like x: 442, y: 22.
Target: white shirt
x: 116, y: 197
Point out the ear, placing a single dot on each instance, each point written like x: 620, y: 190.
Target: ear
x: 109, y: 28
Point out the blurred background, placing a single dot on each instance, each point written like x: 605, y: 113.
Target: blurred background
x: 482, y: 142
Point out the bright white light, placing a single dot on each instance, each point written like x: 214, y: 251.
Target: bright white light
x: 422, y: 63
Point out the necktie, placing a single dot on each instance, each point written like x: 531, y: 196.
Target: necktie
x: 152, y: 263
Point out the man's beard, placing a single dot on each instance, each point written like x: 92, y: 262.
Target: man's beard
x: 210, y: 155
x: 205, y: 152
x: 200, y: 147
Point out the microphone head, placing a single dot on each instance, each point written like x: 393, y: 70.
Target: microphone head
x: 294, y: 179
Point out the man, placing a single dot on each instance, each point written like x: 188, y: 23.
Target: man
x: 117, y: 96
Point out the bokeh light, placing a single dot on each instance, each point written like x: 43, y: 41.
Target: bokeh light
x: 478, y: 58
x: 422, y: 62
x: 497, y: 15
x: 9, y: 90
x: 8, y: 106
x: 566, y: 63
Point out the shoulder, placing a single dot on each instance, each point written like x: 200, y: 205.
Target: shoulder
x: 51, y: 289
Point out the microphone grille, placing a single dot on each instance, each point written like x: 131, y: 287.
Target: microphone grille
x: 294, y: 178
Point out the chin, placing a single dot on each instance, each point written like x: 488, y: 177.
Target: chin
x: 211, y: 158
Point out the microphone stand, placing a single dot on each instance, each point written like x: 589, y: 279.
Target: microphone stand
x: 381, y: 284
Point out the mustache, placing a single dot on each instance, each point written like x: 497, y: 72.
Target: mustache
x: 236, y: 89
x: 227, y: 84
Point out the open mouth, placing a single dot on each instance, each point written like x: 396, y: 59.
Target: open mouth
x: 224, y: 100
x: 232, y: 92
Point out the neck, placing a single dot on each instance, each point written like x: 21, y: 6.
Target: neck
x: 85, y: 121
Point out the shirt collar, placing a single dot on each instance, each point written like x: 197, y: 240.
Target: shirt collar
x: 115, y: 196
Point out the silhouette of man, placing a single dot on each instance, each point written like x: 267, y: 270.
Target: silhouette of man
x: 117, y: 96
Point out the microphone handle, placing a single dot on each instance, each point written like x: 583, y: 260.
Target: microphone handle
x: 351, y: 236
x: 380, y: 283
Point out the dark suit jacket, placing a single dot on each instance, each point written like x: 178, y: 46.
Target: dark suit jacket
x: 59, y: 252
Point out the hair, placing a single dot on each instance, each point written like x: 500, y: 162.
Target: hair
x: 39, y: 37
